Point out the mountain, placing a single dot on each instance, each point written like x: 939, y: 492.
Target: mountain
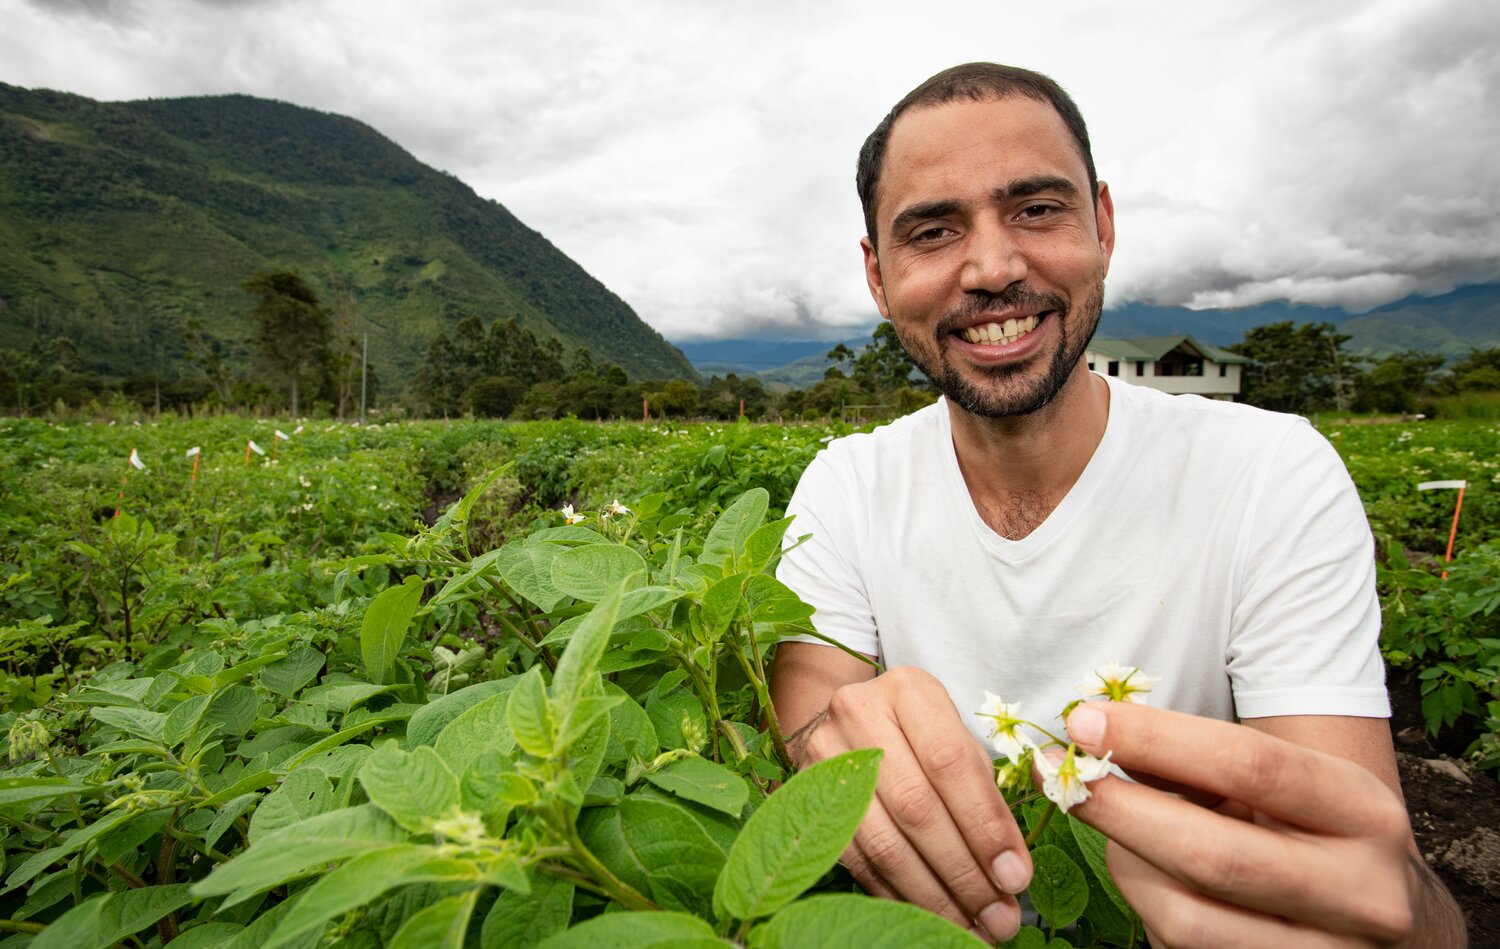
x: 1449, y: 324
x: 120, y: 221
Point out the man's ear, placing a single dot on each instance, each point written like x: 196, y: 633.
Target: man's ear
x: 873, y: 278
x: 1104, y: 218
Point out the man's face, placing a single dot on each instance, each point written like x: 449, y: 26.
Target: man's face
x: 992, y: 251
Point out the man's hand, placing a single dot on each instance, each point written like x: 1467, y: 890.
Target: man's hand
x: 1299, y: 848
x: 938, y: 833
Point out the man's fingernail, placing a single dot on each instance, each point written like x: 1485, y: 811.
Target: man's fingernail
x: 1086, y: 726
x: 1000, y: 920
x: 1011, y: 873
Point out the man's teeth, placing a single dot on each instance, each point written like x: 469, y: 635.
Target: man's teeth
x: 1000, y: 334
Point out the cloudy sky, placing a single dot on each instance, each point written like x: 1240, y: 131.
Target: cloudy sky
x: 697, y: 155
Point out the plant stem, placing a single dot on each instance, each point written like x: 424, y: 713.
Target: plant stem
x: 727, y: 730
x: 616, y: 888
x: 20, y: 926
x: 1041, y: 825
x: 757, y: 677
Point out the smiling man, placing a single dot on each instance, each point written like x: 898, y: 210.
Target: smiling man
x: 1040, y: 521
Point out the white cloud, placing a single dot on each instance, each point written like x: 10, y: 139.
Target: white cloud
x: 699, y: 158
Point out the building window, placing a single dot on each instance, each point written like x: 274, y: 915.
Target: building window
x: 1223, y: 370
x: 1140, y: 368
x: 1091, y: 367
x: 1164, y: 369
x: 1114, y: 367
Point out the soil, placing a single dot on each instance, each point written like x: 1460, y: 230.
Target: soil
x: 1455, y: 812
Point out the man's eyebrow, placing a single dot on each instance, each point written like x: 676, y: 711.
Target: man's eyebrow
x: 922, y: 212
x: 1028, y: 187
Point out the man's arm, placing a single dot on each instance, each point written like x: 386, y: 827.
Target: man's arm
x: 938, y: 833
x: 1309, y: 844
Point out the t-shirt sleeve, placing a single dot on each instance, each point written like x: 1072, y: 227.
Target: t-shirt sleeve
x: 1304, y: 637
x: 825, y: 570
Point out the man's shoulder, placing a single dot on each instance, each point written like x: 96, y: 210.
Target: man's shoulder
x: 1196, y: 417
x: 924, y: 428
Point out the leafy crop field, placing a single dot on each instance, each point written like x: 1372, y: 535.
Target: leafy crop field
x: 378, y: 688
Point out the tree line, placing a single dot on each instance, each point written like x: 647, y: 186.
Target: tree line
x: 306, y: 357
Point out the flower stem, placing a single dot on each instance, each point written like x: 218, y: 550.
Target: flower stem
x: 1040, y: 825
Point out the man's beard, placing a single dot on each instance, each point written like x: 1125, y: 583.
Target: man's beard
x: 1009, y: 392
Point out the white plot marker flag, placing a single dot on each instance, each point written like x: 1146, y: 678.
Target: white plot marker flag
x: 135, y: 461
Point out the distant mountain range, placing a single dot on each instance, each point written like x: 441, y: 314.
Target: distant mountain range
x: 121, y: 221
x: 1449, y: 324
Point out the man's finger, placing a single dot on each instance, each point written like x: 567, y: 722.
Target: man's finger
x: 961, y: 774
x: 1271, y: 775
x: 910, y: 835
x: 882, y: 853
x: 1175, y: 915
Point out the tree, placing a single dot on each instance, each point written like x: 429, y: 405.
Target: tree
x: 1296, y: 368
x: 1479, y: 371
x: 292, y: 329
x: 1395, y: 383
x: 884, y: 364
x: 205, y: 352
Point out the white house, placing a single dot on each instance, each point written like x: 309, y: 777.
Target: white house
x: 1176, y: 364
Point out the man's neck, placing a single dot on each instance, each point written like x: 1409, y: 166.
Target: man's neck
x: 1019, y: 469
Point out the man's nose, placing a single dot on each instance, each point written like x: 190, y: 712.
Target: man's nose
x: 993, y: 258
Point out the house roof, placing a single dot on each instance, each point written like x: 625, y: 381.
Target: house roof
x: 1152, y: 348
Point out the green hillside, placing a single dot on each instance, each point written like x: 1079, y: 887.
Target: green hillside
x: 121, y: 221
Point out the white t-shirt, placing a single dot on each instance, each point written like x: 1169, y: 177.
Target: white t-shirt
x: 1216, y: 546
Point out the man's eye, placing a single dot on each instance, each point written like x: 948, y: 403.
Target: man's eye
x: 930, y: 234
x: 1037, y: 211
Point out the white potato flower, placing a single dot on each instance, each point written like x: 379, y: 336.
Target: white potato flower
x: 1066, y: 783
x: 1005, y: 736
x: 1118, y: 684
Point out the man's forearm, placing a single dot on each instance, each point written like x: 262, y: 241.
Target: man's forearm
x: 1437, y: 922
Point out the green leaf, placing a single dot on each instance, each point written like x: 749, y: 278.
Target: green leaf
x: 658, y: 849
x: 591, y: 572
x: 529, y: 717
x: 124, y: 839
x: 847, y: 919
x: 518, y: 919
x: 583, y: 714
x: 291, y: 850
x: 227, y: 816
x: 304, y: 793
x: 1029, y: 937
x: 440, y: 926
x: 645, y: 599
x: 735, y: 526
x: 234, y: 711
x: 182, y: 719
x: 527, y: 569
x: 299, y: 667
x: 27, y: 869
x: 1059, y: 890
x: 1094, y: 845
x: 134, y: 721
x: 102, y: 921
x: 667, y: 713
x: 576, y: 670
x: 428, y: 722
x: 797, y: 835
x: 638, y: 931
x: 474, y: 732
x: 763, y: 545
x: 384, y: 627
x: 631, y: 732
x: 699, y: 779
x: 771, y: 601
x: 490, y: 787
x: 343, y: 696
x: 22, y: 790
x: 720, y: 604
x: 236, y: 673
x: 362, y: 879
x: 414, y: 788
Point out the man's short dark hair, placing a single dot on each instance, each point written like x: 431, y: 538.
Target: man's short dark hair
x: 977, y: 82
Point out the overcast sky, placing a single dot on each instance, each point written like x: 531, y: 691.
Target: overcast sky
x: 697, y: 156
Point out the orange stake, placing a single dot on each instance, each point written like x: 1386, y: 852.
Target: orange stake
x: 1453, y: 531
